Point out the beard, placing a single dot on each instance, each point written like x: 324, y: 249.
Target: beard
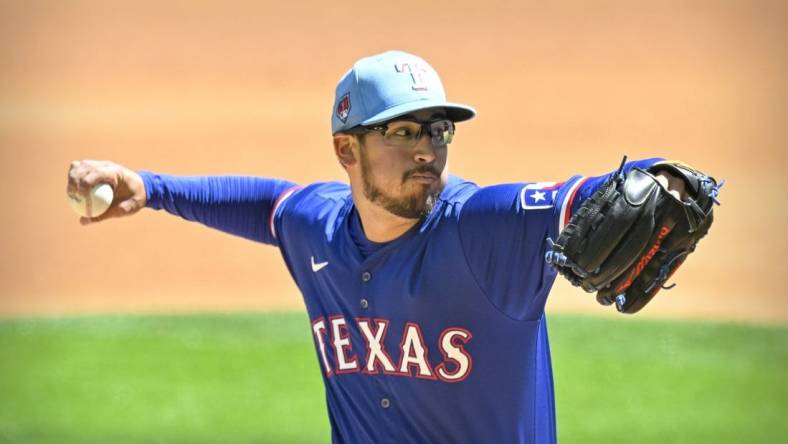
x: 413, y: 206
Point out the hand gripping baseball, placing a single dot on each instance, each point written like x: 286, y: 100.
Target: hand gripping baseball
x: 129, y: 190
x: 628, y: 238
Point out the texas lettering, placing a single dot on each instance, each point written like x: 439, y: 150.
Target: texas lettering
x: 338, y: 354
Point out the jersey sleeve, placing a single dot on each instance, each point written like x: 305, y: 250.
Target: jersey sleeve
x: 503, y: 230
x: 239, y: 205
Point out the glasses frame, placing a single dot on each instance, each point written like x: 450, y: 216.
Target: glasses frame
x: 424, y: 128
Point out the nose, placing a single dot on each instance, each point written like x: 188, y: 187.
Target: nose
x: 424, y: 152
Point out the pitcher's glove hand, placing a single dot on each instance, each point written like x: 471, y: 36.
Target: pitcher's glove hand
x: 630, y: 236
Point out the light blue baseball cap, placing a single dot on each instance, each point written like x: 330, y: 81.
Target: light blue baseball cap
x: 388, y: 85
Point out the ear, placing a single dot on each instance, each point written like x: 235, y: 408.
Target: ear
x: 343, y: 148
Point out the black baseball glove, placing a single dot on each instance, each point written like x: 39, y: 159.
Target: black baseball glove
x: 630, y: 236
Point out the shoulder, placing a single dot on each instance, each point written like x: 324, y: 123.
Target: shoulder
x: 499, y: 198
x: 315, y: 196
x: 461, y: 198
x: 458, y: 190
x: 503, y: 209
x: 322, y: 204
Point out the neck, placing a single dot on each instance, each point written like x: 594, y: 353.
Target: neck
x: 380, y: 225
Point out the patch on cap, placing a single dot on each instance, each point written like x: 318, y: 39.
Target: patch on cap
x: 343, y: 108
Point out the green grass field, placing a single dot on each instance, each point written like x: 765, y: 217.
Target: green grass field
x: 254, y: 379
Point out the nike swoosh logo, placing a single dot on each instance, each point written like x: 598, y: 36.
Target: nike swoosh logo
x: 317, y: 266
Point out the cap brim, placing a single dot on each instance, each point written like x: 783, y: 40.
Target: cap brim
x: 454, y: 111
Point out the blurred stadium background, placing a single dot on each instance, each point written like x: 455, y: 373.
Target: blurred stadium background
x: 246, y: 87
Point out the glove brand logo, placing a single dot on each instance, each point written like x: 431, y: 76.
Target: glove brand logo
x: 663, y: 232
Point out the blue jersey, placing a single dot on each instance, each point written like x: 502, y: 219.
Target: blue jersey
x: 437, y: 336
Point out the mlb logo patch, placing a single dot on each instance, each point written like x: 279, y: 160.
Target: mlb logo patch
x: 538, y: 196
x: 343, y: 108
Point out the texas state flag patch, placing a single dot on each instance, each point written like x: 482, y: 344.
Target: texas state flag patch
x: 540, y: 195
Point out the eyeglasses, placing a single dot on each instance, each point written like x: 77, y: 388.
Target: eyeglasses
x: 407, y: 133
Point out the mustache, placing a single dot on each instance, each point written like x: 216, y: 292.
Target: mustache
x: 424, y: 169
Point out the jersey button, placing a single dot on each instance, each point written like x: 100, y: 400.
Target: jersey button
x: 385, y: 403
x: 364, y: 304
x: 366, y: 276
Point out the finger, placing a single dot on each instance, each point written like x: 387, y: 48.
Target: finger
x: 100, y: 175
x: 124, y: 208
x: 81, y: 179
x: 109, y: 214
x: 73, y: 177
x: 666, y: 184
x: 129, y: 206
x: 85, y: 185
x: 84, y: 174
x: 662, y: 180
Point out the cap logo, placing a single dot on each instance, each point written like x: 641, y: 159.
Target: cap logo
x: 343, y: 108
x: 415, y: 71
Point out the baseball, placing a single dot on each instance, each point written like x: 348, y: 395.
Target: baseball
x: 98, y: 201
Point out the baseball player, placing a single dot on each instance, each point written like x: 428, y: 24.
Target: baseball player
x: 426, y: 292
